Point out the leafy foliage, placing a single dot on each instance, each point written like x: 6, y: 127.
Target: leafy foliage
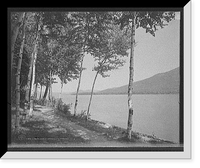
x: 110, y: 54
x: 66, y: 36
x: 149, y: 20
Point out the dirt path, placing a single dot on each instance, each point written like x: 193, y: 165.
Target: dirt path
x: 55, y: 123
x: 47, y: 128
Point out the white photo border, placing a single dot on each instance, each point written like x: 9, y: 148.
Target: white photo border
x: 186, y: 154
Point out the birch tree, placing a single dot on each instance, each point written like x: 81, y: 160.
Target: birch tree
x: 35, y: 52
x: 88, y: 27
x: 40, y: 92
x: 31, y: 38
x: 113, y: 47
x: 150, y: 21
x: 42, y: 68
x: 17, y: 122
x: 78, y: 87
x: 81, y: 22
x: 15, y: 25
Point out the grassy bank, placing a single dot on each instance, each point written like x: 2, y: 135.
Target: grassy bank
x: 109, y: 131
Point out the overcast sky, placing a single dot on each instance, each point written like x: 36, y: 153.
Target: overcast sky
x: 152, y: 55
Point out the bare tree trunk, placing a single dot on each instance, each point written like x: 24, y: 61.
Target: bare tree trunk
x: 28, y: 85
x: 49, y: 91
x: 61, y: 90
x: 130, y: 85
x: 35, y: 93
x: 40, y: 92
x: 33, y: 73
x: 32, y: 98
x: 79, y: 83
x: 61, y: 87
x: 17, y: 123
x: 88, y: 111
x: 46, y: 91
x: 15, y: 32
x: 50, y: 87
x: 32, y: 87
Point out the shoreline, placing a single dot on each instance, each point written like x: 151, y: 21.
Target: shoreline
x: 122, y: 93
x: 107, y: 135
x: 108, y: 129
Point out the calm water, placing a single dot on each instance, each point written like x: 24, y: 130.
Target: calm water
x: 156, y: 114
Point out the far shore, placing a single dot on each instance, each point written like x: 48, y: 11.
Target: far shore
x: 89, y: 93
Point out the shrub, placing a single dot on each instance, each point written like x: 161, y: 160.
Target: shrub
x: 62, y: 107
x: 66, y: 108
x: 83, y: 114
x: 44, y: 102
x: 59, y: 104
x: 40, y: 102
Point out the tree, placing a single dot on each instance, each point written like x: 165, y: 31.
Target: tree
x: 16, y: 23
x: 40, y: 92
x: 42, y: 67
x: 39, y: 78
x: 87, y: 32
x: 35, y: 52
x: 80, y: 21
x: 113, y: 48
x: 78, y: 87
x: 30, y: 41
x: 46, y: 91
x: 150, y: 21
x: 68, y: 63
x: 23, y: 75
x: 57, y: 55
x: 54, y: 29
x: 27, y: 97
x: 17, y: 123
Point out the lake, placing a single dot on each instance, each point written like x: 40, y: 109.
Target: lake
x: 154, y: 114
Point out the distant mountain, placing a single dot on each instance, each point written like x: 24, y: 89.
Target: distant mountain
x: 167, y: 82
x: 84, y: 92
x: 161, y: 83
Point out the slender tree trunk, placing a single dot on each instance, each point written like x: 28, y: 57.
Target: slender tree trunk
x: 78, y: 87
x: 28, y: 85
x: 32, y: 98
x: 35, y: 94
x: 61, y: 87
x: 49, y: 92
x: 50, y: 87
x: 15, y: 32
x: 17, y: 123
x: 46, y: 91
x: 130, y: 85
x: 84, y: 50
x: 40, y: 92
x: 33, y: 73
x: 32, y: 88
x: 88, y: 111
x: 61, y: 90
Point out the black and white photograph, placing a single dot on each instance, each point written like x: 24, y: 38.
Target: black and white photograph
x: 96, y: 80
